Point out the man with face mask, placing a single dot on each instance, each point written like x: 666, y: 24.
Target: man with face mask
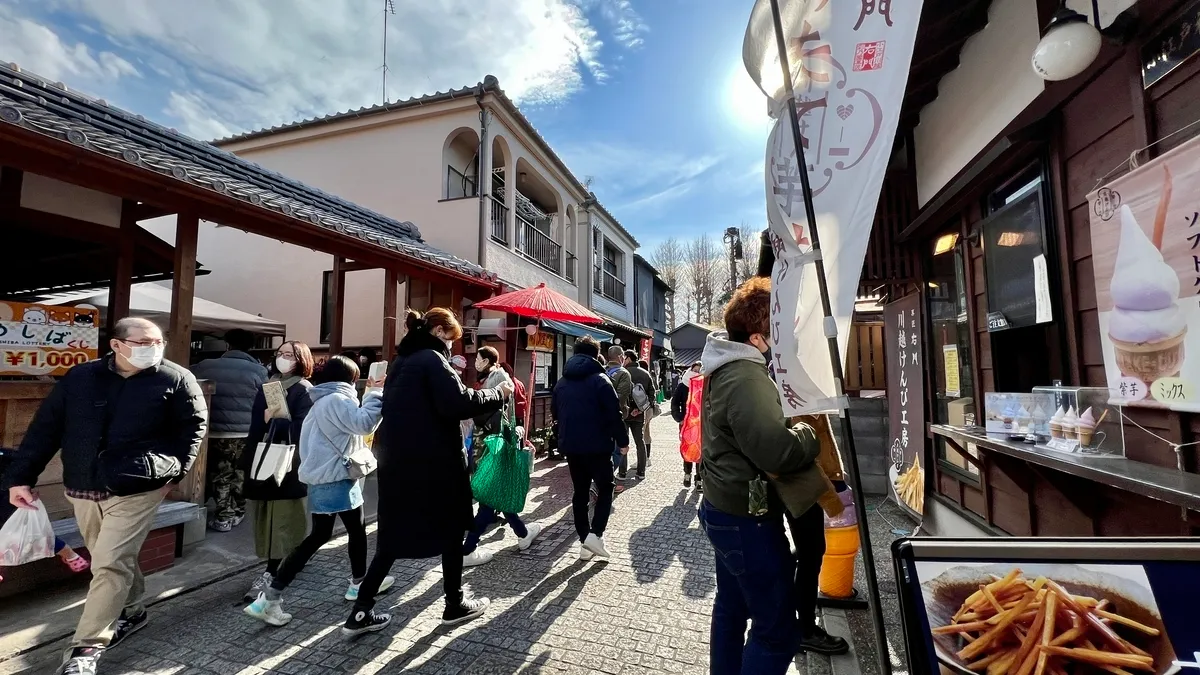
x: 129, y: 426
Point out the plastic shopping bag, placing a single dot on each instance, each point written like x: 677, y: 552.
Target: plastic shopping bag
x: 26, y: 537
x: 690, y: 436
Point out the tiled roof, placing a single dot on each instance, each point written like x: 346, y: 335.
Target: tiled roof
x: 33, y: 104
x: 490, y: 85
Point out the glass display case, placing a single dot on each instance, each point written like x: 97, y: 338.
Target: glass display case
x: 1082, y: 420
x: 1018, y: 416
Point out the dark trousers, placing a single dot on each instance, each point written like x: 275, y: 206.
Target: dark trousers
x: 808, y: 535
x: 322, y: 532
x: 586, y: 470
x: 484, y: 519
x: 755, y: 578
x: 381, y: 564
x: 635, y: 427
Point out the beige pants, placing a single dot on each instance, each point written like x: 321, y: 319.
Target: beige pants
x: 113, y: 532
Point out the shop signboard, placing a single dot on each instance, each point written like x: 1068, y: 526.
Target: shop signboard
x: 1145, y: 230
x: 906, y: 399
x: 644, y: 350
x: 540, y: 341
x: 46, y: 339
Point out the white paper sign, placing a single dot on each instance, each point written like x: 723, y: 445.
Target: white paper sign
x: 852, y: 65
x: 1041, y: 290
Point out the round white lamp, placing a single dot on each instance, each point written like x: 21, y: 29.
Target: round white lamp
x: 1068, y: 46
x: 531, y: 329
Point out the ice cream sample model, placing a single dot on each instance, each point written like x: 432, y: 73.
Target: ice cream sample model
x: 1087, y: 427
x: 1056, y: 423
x: 1070, y: 424
x: 1146, y: 327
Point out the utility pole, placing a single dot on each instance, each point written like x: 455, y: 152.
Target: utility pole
x: 733, y: 237
x: 389, y: 7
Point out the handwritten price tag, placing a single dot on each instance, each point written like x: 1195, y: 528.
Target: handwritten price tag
x: 1172, y: 390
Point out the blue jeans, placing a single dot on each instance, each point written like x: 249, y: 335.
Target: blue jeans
x: 755, y: 576
x: 485, y: 517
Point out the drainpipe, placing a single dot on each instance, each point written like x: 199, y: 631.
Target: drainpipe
x: 586, y: 205
x: 484, y: 174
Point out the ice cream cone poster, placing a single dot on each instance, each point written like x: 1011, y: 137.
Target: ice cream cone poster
x: 1146, y: 255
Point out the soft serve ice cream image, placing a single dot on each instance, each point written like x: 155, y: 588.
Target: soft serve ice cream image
x: 1146, y: 327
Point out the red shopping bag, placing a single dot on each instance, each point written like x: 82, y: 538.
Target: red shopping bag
x: 690, y: 436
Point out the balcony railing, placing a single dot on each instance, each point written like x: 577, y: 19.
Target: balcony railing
x: 459, y: 186
x: 538, y: 246
x: 499, y: 221
x: 610, y: 286
x: 569, y: 271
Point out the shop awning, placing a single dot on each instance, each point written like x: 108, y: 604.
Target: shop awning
x: 577, y: 330
x: 620, y: 326
x: 151, y: 301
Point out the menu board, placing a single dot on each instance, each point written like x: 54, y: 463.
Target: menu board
x: 46, y: 339
x: 1145, y: 229
x: 906, y: 399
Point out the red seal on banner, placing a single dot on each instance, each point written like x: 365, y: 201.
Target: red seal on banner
x: 869, y: 56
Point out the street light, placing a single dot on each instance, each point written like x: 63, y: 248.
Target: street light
x: 1069, y: 44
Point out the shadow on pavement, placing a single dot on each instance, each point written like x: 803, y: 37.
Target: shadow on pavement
x: 653, y: 548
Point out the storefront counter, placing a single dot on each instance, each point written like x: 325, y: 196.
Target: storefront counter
x: 1171, y: 486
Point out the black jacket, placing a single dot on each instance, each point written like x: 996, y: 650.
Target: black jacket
x: 586, y: 409
x: 266, y: 490
x: 92, y: 408
x: 239, y: 378
x: 424, y: 491
x: 679, y: 400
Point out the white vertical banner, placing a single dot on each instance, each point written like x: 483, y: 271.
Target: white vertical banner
x: 849, y: 61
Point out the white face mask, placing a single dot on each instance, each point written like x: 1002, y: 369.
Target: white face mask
x: 284, y: 366
x: 145, y: 356
x: 449, y: 344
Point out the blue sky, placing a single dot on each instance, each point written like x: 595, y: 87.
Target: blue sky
x: 648, y: 97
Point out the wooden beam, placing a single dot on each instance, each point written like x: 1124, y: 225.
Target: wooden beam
x: 143, y: 211
x: 10, y: 188
x: 337, y: 282
x: 120, y: 289
x: 391, y: 313
x: 183, y: 289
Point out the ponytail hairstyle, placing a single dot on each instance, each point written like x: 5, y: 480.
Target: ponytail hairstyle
x: 438, y: 317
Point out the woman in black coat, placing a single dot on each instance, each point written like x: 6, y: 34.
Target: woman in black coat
x: 425, y: 491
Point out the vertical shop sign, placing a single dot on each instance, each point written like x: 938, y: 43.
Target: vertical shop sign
x: 906, y: 398
x: 644, y: 350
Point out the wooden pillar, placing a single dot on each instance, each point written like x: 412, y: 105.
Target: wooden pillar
x: 183, y: 289
x: 120, y: 288
x: 10, y: 187
x: 391, y: 313
x: 337, y: 282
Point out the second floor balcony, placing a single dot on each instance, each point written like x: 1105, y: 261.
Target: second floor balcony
x: 537, y: 246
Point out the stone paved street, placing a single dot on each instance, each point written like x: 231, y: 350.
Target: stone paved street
x: 645, y: 611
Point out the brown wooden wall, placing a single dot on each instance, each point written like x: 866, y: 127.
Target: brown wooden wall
x: 1089, y: 136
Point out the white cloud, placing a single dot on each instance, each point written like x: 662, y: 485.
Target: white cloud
x: 254, y: 63
x: 635, y: 177
x: 33, y: 46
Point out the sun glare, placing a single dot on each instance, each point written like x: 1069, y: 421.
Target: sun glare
x: 746, y: 103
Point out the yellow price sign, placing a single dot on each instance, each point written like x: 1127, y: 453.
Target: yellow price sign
x: 1172, y: 390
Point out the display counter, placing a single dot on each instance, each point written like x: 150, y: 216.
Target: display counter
x: 1166, y: 485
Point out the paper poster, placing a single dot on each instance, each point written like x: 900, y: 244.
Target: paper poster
x: 540, y: 341
x: 1146, y: 254
x: 950, y: 356
x: 46, y: 339
x: 1041, y: 291
x: 851, y: 67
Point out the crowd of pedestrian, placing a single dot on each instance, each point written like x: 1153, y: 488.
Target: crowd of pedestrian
x: 291, y: 444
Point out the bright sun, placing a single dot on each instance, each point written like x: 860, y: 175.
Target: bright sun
x: 746, y: 103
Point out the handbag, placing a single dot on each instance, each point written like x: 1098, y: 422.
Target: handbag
x: 273, y: 460
x: 501, y: 478
x: 360, y: 462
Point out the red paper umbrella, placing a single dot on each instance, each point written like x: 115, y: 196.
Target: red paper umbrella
x: 540, y: 302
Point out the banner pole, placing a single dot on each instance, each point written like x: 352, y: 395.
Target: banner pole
x: 864, y: 530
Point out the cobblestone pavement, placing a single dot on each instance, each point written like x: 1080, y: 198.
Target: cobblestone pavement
x: 645, y: 611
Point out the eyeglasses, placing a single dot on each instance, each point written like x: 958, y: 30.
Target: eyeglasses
x: 146, y: 342
x: 290, y: 356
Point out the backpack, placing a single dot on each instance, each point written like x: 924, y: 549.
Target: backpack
x: 640, y: 398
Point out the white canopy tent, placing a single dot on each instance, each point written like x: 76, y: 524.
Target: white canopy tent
x: 152, y: 301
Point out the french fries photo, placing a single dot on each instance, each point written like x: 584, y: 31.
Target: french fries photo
x: 910, y: 486
x: 1019, y: 626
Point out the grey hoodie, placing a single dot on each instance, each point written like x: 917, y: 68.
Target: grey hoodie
x: 719, y: 350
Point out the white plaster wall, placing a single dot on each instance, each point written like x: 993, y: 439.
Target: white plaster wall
x: 65, y: 199
x: 992, y: 85
x: 599, y: 302
x: 514, y: 269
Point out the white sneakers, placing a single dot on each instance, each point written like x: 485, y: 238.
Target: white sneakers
x: 352, y: 591
x: 595, y: 546
x: 269, y: 612
x: 478, y: 557
x: 533, y: 531
x: 584, y: 554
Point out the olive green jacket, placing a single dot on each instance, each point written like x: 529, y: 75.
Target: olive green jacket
x: 745, y: 435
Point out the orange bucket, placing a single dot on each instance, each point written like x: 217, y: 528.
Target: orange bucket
x: 837, y: 567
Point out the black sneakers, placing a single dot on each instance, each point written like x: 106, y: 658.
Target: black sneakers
x: 687, y: 480
x: 820, y: 642
x: 365, y: 621
x: 81, y: 662
x: 126, y: 626
x: 468, y: 608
